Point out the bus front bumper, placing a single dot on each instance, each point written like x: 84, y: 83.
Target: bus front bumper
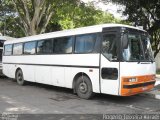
x: 143, y: 84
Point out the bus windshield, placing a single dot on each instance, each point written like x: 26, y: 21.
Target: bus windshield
x: 138, y: 48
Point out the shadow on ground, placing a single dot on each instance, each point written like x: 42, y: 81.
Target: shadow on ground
x: 64, y: 94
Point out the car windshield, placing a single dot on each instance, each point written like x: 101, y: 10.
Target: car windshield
x: 138, y: 48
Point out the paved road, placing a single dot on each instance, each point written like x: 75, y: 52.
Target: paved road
x: 43, y: 99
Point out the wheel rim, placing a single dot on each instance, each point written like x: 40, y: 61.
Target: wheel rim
x: 83, y: 87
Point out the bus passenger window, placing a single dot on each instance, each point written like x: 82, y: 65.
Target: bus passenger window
x: 8, y: 50
x: 85, y: 43
x: 29, y: 48
x: 17, y: 49
x: 109, y: 47
x: 62, y: 45
x: 44, y: 47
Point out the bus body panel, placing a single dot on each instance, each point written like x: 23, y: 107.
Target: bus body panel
x: 9, y: 70
x: 28, y: 72
x: 58, y: 70
x: 109, y: 86
x: 135, y: 68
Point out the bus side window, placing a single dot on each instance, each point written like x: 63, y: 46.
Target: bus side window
x: 17, y: 49
x: 29, y: 48
x: 44, y: 47
x: 85, y: 43
x: 62, y: 45
x: 8, y: 50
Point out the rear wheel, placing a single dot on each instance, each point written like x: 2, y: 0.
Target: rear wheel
x: 84, y: 87
x: 19, y: 77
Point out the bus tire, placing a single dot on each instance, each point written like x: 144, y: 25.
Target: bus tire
x: 84, y: 87
x: 19, y: 77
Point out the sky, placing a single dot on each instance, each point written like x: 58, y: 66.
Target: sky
x: 112, y: 8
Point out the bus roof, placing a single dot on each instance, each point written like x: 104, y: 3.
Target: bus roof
x: 70, y: 32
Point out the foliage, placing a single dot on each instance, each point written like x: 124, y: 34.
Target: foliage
x: 6, y: 17
x: 11, y: 28
x: 29, y: 17
x: 34, y: 15
x: 158, y: 71
x: 144, y: 13
x: 73, y: 16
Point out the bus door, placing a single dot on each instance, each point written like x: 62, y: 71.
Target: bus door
x: 109, y: 80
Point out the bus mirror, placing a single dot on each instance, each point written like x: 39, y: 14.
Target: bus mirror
x: 125, y: 41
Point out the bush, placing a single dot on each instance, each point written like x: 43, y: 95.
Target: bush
x: 158, y: 71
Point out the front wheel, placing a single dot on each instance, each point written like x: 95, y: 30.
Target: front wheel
x: 19, y: 77
x: 84, y: 87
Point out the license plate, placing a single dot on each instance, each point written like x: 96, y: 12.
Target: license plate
x: 144, y: 88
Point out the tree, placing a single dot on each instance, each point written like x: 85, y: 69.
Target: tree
x: 11, y: 28
x: 34, y: 15
x: 30, y: 17
x: 144, y: 13
x: 26, y: 17
x: 73, y: 15
x: 6, y: 14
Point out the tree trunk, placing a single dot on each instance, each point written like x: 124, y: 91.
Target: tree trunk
x: 33, y: 19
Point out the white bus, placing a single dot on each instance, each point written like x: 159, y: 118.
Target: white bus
x: 110, y: 58
x: 2, y: 39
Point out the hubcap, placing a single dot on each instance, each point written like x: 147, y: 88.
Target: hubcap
x: 83, y: 87
x: 19, y: 77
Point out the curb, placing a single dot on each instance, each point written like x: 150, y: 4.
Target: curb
x: 154, y: 93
